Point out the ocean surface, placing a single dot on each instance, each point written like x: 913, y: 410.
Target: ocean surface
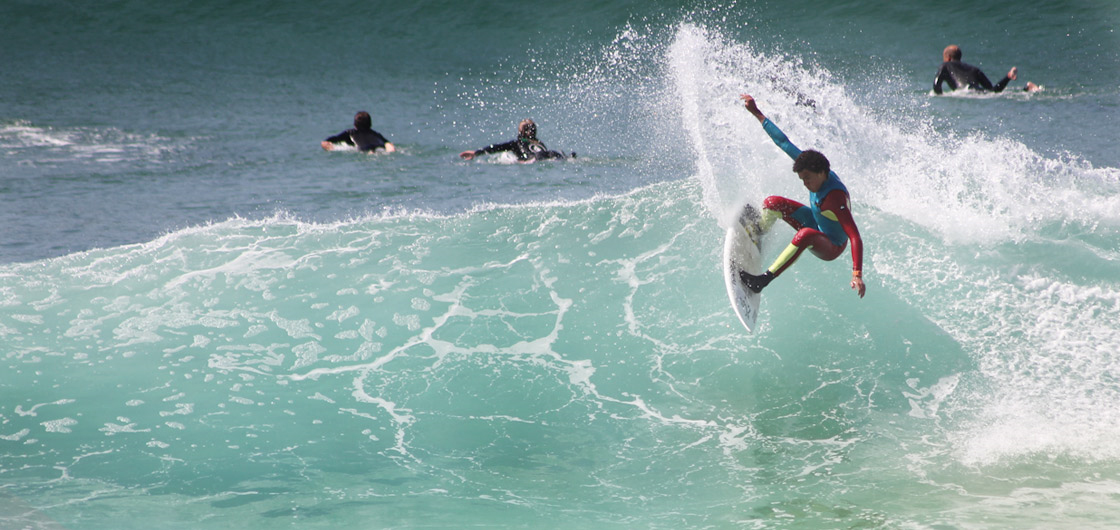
x: 207, y: 321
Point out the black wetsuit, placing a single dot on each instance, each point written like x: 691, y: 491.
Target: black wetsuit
x: 364, y: 140
x: 957, y: 74
x: 524, y: 149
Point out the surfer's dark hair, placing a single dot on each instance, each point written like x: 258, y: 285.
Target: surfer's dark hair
x: 362, y: 120
x: 813, y: 161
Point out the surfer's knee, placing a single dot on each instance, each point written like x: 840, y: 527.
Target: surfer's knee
x: 795, y: 214
x: 800, y: 239
x: 811, y: 238
x: 817, y: 243
x: 781, y: 204
x: 773, y: 202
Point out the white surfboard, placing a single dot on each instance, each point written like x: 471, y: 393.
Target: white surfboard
x: 742, y: 251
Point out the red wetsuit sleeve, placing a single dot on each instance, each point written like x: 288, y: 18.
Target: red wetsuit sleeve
x: 837, y: 203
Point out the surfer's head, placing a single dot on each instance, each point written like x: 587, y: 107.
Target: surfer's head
x: 952, y: 52
x: 812, y: 167
x: 362, y: 120
x: 813, y: 161
x: 527, y: 129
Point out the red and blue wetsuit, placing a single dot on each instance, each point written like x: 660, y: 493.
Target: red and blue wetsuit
x: 824, y: 227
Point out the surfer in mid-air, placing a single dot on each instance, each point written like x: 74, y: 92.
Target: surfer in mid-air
x: 824, y: 227
x: 527, y: 148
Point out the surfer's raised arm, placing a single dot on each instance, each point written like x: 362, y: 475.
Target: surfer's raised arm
x: 780, y: 139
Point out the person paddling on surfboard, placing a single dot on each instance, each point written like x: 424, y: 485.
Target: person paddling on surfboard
x: 957, y: 74
x: 362, y: 136
x: 824, y: 227
x: 526, y: 147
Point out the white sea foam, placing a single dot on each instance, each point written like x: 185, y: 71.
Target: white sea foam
x: 99, y: 145
x: 61, y: 425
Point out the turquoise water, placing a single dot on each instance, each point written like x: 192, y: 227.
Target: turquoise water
x: 208, y: 322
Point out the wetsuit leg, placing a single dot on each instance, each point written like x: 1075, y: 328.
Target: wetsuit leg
x: 795, y: 214
x: 807, y: 238
x: 800, y: 217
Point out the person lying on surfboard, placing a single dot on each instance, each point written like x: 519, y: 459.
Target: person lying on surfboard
x: 362, y: 136
x: 957, y: 74
x: 824, y: 227
x: 526, y: 147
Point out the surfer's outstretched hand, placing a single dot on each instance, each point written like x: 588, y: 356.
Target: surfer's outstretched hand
x: 858, y: 286
x: 752, y: 106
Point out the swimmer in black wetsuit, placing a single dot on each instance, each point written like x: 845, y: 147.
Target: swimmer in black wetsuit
x: 957, y: 74
x: 526, y: 147
x: 361, y: 136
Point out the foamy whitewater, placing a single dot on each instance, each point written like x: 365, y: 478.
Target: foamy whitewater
x: 208, y: 322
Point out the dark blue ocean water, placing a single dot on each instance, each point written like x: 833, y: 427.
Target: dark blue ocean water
x: 208, y: 321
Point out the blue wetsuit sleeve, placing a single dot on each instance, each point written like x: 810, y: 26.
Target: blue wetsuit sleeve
x: 780, y: 139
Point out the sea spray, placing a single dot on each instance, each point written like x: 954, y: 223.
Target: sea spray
x: 421, y: 341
